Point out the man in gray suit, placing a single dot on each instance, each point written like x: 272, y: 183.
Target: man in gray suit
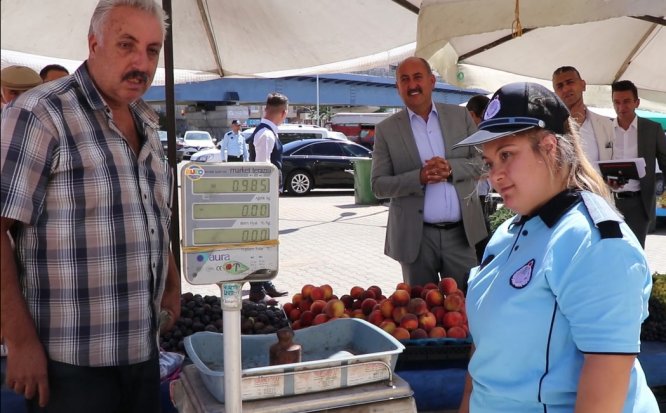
x: 435, y: 218
x: 636, y: 138
x: 596, y: 130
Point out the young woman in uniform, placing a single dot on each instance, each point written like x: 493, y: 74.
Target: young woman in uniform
x: 555, y: 309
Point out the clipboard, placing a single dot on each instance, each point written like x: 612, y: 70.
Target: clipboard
x: 622, y: 170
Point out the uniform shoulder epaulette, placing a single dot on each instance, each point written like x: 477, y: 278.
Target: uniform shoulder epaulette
x: 604, y: 217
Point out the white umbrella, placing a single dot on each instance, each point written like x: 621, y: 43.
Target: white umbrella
x: 269, y: 38
x: 470, y: 43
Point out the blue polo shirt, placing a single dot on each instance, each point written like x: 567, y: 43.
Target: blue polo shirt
x: 569, y: 280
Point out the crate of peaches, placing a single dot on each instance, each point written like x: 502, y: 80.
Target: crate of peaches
x: 413, y: 314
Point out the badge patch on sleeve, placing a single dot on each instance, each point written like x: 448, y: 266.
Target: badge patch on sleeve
x: 523, y: 275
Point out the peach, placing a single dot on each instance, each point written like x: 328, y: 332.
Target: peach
x: 305, y: 304
x: 417, y: 306
x: 430, y: 286
x: 318, y: 306
x: 347, y: 300
x: 388, y: 326
x: 439, y: 312
x: 418, y: 333
x: 409, y: 322
x: 316, y: 294
x: 434, y: 298
x: 375, y: 317
x: 437, y: 332
x: 386, y: 307
x: 328, y: 291
x: 356, y: 304
x: 404, y: 286
x: 296, y: 299
x: 368, y: 305
x: 306, y: 290
x: 376, y: 290
x: 295, y: 314
x: 452, y: 319
x: 368, y: 294
x: 400, y: 298
x: 456, y: 332
x: 400, y: 333
x: 398, y: 313
x: 356, y: 292
x: 306, y: 318
x: 427, y: 321
x: 320, y: 318
x: 358, y: 313
x: 296, y: 325
x: 334, y: 308
x: 453, y: 302
x: 447, y: 285
x: 416, y: 291
x: 287, y: 307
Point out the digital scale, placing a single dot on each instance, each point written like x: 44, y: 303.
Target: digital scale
x: 229, y: 219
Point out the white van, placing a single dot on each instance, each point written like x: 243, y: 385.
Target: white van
x: 289, y: 132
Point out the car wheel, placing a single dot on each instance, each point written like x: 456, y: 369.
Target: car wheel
x: 299, y: 183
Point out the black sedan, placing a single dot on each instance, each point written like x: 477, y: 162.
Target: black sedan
x: 320, y: 163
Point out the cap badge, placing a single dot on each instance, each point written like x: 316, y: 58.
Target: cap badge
x: 493, y: 107
x: 523, y: 275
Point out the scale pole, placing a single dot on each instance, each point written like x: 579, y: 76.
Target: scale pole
x: 231, y: 306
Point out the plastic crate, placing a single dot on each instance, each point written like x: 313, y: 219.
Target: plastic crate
x: 423, y: 352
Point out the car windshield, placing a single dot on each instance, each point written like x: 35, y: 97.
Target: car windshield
x: 198, y: 137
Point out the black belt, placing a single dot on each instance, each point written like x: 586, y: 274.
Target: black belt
x: 626, y: 194
x: 443, y: 225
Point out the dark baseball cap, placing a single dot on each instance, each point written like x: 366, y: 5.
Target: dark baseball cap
x: 235, y: 122
x: 517, y: 107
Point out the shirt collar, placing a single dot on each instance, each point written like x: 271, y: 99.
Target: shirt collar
x: 90, y: 92
x: 432, y: 110
x: 555, y: 208
x: 633, y: 124
x: 270, y: 123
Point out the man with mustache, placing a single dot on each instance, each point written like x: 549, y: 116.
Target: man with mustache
x: 435, y: 218
x: 86, y: 197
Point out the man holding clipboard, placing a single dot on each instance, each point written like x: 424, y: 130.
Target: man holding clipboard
x: 638, y: 142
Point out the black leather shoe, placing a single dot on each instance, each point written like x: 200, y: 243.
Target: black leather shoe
x: 270, y: 289
x: 257, y: 295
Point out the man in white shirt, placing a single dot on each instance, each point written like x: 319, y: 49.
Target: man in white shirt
x: 265, y: 146
x: 636, y: 137
x: 595, y: 130
x: 233, y: 146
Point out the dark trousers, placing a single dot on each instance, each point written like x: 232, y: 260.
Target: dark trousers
x: 118, y: 389
x: 234, y: 158
x: 634, y: 216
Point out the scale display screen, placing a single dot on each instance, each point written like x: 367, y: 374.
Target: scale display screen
x: 229, y: 219
x: 231, y: 210
x: 216, y: 236
x: 231, y: 185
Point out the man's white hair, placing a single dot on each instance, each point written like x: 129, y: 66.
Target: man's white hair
x: 104, y: 7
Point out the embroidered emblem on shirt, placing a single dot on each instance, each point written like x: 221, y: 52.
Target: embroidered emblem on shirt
x: 493, y: 107
x: 522, y: 277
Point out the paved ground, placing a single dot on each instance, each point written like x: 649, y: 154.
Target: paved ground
x: 326, y: 238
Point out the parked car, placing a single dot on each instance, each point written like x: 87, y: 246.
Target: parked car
x: 288, y: 133
x: 193, y: 141
x: 320, y: 163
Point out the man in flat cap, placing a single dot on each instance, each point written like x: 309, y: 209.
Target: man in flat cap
x: 16, y: 80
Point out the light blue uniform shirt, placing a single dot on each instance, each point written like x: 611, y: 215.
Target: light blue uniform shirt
x: 441, y: 199
x: 553, y: 287
x: 235, y: 145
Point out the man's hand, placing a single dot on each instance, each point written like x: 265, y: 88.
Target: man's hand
x: 614, y: 183
x: 436, y: 169
x: 27, y: 371
x: 171, y: 297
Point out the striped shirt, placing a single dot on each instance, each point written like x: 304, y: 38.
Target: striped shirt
x: 92, y: 221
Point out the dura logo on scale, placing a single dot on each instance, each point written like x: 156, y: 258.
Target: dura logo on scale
x: 230, y: 222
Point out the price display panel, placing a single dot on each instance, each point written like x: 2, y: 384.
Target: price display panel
x: 229, y: 215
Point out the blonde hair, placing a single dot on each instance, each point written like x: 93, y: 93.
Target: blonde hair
x: 570, y: 158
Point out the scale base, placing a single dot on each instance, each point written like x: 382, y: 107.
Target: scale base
x: 189, y: 394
